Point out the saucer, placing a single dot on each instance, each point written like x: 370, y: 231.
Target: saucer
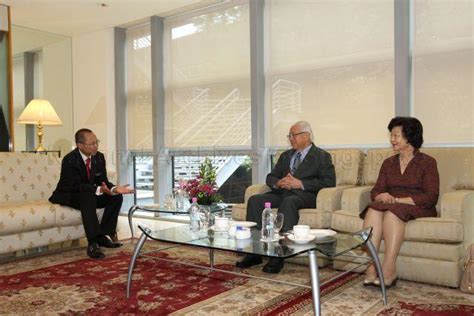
x: 308, y: 238
x: 219, y: 230
x: 242, y: 224
x: 273, y: 240
x: 322, y: 233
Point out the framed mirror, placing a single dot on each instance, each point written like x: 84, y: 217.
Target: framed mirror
x: 6, y: 131
x: 42, y: 69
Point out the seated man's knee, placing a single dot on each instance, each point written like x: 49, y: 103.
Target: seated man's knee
x: 253, y: 201
x: 118, y: 198
x: 290, y: 203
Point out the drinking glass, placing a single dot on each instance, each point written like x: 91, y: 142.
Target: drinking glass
x: 277, y: 224
x: 205, y: 216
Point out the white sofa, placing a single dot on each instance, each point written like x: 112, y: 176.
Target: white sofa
x: 348, y: 168
x: 434, y: 246
x: 27, y: 219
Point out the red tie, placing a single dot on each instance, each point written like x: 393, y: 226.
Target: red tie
x: 88, y: 168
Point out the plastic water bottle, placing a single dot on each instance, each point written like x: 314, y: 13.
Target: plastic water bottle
x: 195, y: 222
x: 267, y: 222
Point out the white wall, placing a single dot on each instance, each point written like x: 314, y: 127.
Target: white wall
x: 93, y: 86
x: 57, y: 88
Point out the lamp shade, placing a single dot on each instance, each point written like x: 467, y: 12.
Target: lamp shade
x: 39, y: 112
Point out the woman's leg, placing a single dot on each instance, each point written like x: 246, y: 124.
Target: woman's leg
x: 393, y: 235
x: 375, y: 219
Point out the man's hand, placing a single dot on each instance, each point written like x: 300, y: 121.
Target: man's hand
x: 293, y: 182
x: 123, y: 189
x: 289, y: 182
x: 385, y: 197
x: 105, y: 189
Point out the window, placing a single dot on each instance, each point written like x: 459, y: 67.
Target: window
x: 139, y: 107
x: 331, y: 63
x: 208, y: 79
x: 234, y: 174
x: 443, y: 69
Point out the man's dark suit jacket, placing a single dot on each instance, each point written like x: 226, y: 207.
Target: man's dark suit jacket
x: 316, y: 171
x: 73, y: 177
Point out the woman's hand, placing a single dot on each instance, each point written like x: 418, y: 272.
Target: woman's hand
x: 386, y: 198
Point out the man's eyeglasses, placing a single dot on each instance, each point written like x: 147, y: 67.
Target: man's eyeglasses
x: 96, y: 143
x: 290, y: 136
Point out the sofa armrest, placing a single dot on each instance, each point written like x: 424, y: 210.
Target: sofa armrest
x: 356, y: 199
x: 329, y: 199
x: 459, y: 205
x: 255, y: 189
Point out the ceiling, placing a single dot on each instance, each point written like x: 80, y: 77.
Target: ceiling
x: 75, y: 17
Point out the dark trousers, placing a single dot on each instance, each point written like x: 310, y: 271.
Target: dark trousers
x: 287, y: 203
x: 87, y: 203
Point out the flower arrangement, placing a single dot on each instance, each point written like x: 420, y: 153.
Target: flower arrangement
x: 204, y: 185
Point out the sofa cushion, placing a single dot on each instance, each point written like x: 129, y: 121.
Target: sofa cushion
x: 16, y: 217
x: 27, y: 176
x: 347, y: 164
x: 425, y: 229
x: 434, y: 229
x: 39, y: 238
x: 315, y: 218
x: 372, y: 163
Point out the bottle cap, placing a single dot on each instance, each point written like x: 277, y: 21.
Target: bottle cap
x: 268, y: 205
x: 194, y: 199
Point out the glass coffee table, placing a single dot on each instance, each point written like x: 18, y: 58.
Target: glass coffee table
x: 330, y: 247
x: 158, y: 209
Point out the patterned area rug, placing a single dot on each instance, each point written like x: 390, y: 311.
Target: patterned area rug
x: 70, y: 283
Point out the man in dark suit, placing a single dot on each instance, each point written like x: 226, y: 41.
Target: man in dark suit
x: 295, y: 181
x: 83, y: 185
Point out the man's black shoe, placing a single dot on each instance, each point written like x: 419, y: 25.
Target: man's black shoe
x: 94, y: 251
x: 274, y: 265
x: 248, y: 261
x: 107, y: 243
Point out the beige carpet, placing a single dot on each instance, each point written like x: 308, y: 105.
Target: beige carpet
x: 257, y: 297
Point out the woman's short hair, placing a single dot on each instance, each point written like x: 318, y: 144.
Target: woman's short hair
x: 412, y: 130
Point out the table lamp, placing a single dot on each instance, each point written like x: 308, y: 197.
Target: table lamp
x: 39, y: 112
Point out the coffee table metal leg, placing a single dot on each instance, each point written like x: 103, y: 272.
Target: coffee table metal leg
x: 313, y: 268
x: 130, y: 215
x: 378, y: 267
x: 138, y: 247
x: 211, y: 258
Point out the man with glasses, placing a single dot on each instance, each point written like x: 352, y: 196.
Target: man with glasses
x: 295, y: 181
x: 83, y: 185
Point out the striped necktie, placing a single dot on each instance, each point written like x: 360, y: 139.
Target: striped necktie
x: 88, y: 168
x: 296, y: 162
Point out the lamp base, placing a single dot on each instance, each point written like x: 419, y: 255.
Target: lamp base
x: 40, y: 148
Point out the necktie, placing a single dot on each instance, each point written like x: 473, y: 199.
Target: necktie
x: 88, y: 168
x: 296, y: 162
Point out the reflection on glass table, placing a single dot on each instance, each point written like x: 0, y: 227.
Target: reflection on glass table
x: 331, y: 247
x: 159, y: 209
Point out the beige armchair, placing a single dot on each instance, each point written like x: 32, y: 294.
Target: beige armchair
x: 347, y: 164
x: 434, y: 246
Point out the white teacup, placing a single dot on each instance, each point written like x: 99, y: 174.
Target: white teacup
x: 242, y: 233
x: 232, y: 230
x: 301, y: 231
x: 221, y: 223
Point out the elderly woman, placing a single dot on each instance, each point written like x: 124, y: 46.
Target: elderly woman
x: 407, y: 188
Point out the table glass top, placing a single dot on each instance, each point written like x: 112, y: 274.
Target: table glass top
x: 331, y: 246
x: 214, y: 208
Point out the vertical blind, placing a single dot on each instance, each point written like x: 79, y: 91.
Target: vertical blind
x: 139, y: 107
x: 207, y: 73
x: 443, y: 69
x: 331, y: 63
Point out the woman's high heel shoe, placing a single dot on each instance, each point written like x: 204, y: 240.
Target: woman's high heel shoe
x: 369, y: 280
x: 388, y: 283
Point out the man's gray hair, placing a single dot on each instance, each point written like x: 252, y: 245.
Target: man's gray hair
x: 305, y: 127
